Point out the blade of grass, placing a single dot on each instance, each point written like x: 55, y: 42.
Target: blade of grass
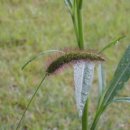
x: 122, y: 99
x: 80, y: 4
x: 31, y: 101
x: 80, y: 25
x: 121, y: 76
x: 69, y: 5
x: 111, y: 44
x: 80, y: 41
x: 85, y: 117
x: 37, y: 56
x: 75, y: 22
x: 96, y: 118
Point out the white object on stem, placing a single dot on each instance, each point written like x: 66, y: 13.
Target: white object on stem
x: 83, y: 77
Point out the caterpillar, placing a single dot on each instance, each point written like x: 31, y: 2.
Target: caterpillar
x: 73, y: 57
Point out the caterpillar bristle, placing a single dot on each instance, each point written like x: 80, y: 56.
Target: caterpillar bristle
x: 71, y: 57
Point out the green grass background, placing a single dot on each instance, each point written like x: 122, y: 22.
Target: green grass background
x: 28, y: 27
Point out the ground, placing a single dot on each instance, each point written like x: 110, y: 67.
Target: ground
x: 29, y: 27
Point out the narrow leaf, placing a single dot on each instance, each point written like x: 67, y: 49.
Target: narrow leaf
x: 80, y: 4
x: 85, y: 116
x: 122, y: 99
x: 112, y: 44
x: 120, y: 77
x: 37, y: 56
x: 69, y: 5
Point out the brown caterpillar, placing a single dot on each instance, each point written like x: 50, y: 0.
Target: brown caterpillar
x: 72, y: 57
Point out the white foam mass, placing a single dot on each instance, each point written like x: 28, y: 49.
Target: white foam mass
x: 83, y: 77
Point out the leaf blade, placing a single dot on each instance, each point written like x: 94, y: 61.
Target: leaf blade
x: 111, y: 44
x: 38, y: 55
x: 121, y: 76
x: 69, y: 5
x: 122, y: 99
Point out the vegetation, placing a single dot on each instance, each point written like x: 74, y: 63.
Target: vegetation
x: 27, y: 32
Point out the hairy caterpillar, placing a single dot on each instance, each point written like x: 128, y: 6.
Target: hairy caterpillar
x: 73, y: 57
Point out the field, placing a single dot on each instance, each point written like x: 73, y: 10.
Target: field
x: 29, y: 27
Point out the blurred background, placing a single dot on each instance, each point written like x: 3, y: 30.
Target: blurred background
x: 28, y: 27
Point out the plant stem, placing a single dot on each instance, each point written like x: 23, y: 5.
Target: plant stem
x: 85, y: 117
x: 78, y: 15
x: 99, y: 112
x: 79, y: 25
x: 80, y: 29
x: 76, y: 30
x: 31, y: 101
x: 77, y: 22
x: 94, y: 124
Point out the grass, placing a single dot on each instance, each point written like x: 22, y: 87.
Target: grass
x: 27, y: 28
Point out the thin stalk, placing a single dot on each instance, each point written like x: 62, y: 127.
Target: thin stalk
x: 40, y: 54
x: 31, y: 101
x: 77, y: 22
x: 81, y: 46
x: 97, y: 117
x: 80, y: 4
x: 76, y: 30
x: 80, y: 29
x: 85, y: 117
x: 80, y: 41
x: 99, y: 112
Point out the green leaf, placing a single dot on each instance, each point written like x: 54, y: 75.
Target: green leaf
x: 80, y: 3
x: 39, y: 55
x: 121, y: 76
x: 122, y: 99
x: 85, y: 116
x: 111, y: 44
x: 69, y: 5
x: 30, y: 101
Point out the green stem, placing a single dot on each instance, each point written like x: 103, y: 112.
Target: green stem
x: 76, y: 30
x: 85, y: 117
x: 94, y: 124
x: 99, y: 112
x: 77, y: 22
x: 80, y: 29
x: 81, y: 46
x: 31, y: 101
x: 79, y: 25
